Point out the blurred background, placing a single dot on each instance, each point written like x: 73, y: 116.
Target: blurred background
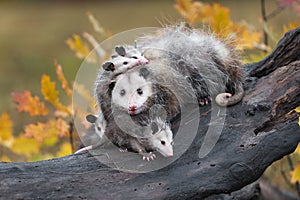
x: 34, y: 33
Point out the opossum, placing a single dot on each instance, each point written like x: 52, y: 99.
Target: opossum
x: 95, y: 134
x: 126, y: 58
x: 143, y: 138
x: 200, y: 56
x: 141, y: 88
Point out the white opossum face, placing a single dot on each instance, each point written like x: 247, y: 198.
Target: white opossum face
x: 135, y: 54
x: 162, y: 139
x: 131, y: 92
x: 120, y: 64
x: 98, y: 122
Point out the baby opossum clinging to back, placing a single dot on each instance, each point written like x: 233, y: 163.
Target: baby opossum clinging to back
x: 126, y: 58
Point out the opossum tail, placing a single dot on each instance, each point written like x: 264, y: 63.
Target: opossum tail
x: 227, y: 99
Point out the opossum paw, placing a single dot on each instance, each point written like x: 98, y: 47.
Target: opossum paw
x: 204, y: 101
x: 123, y: 149
x: 149, y: 156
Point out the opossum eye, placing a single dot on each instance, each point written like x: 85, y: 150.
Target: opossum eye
x: 98, y: 128
x: 125, y: 63
x: 163, y: 142
x: 122, y: 92
x: 134, y: 57
x: 139, y: 91
x: 172, y: 143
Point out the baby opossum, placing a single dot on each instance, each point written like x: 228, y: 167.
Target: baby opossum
x: 144, y: 138
x: 95, y: 133
x: 126, y: 58
x: 200, y: 56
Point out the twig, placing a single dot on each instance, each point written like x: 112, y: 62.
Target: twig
x: 264, y: 17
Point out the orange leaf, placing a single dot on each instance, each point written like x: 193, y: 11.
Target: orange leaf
x: 5, y: 127
x: 41, y: 131
x: 62, y: 79
x: 62, y: 127
x: 27, y: 103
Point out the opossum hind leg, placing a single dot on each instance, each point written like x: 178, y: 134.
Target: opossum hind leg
x: 204, y: 101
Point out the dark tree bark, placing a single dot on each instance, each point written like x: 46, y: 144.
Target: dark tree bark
x: 257, y: 131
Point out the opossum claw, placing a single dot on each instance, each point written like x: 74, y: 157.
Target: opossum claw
x: 149, y: 156
x: 204, y: 101
x: 123, y: 149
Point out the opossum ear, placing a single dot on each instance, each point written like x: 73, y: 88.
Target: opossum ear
x: 114, y: 56
x: 154, y: 128
x: 120, y: 50
x: 112, y: 85
x: 144, y: 72
x: 91, y: 118
x: 109, y: 66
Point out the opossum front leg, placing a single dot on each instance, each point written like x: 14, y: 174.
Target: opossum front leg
x: 136, y: 146
x: 123, y: 149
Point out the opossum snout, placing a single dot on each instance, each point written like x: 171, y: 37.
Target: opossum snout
x: 169, y: 154
x: 132, y: 107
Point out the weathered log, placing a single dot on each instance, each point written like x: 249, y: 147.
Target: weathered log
x: 257, y: 131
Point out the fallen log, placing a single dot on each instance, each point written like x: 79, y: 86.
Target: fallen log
x: 257, y: 132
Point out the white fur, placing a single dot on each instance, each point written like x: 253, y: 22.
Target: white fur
x: 125, y: 92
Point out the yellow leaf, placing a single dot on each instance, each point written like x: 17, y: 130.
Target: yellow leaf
x: 27, y: 103
x: 5, y: 159
x: 51, y: 94
x: 81, y: 49
x: 48, y: 90
x: 62, y: 79
x: 296, y: 174
x: 297, y: 109
x: 290, y: 26
x: 5, y: 127
x: 25, y: 146
x: 65, y: 149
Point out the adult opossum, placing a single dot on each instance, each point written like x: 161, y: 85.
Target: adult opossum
x: 211, y: 65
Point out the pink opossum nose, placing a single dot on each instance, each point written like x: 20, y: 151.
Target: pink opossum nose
x: 147, y: 62
x: 132, y: 107
x: 169, y: 155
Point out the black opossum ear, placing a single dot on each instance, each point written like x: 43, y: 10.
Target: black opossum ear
x: 112, y: 85
x: 120, y: 50
x: 109, y: 66
x: 144, y: 72
x: 154, y: 128
x: 91, y: 118
x: 114, y: 56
